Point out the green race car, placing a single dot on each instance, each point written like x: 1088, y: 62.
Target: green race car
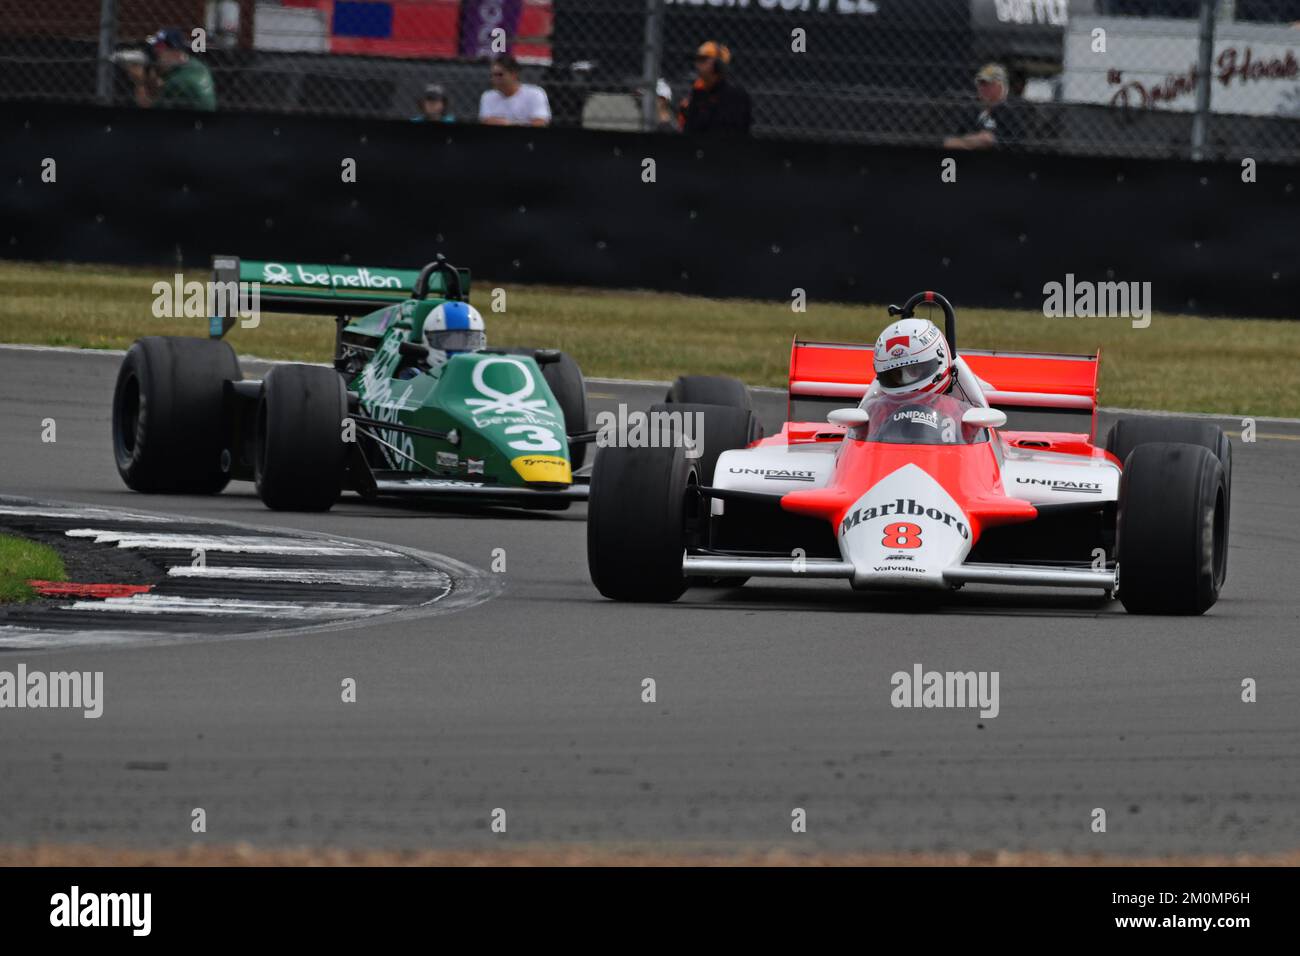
x: 394, y: 416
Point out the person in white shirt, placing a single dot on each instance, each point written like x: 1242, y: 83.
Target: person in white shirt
x: 511, y: 103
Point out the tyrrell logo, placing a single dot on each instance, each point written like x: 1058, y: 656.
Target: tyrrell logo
x: 902, y: 508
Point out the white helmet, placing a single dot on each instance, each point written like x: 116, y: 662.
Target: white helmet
x: 912, y: 356
x: 454, y: 327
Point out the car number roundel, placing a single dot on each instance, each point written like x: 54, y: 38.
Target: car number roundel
x: 535, y: 437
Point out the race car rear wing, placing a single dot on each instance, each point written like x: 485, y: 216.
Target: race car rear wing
x: 310, y: 289
x: 1036, y: 381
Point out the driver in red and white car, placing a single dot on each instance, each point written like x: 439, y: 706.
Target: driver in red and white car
x: 920, y: 391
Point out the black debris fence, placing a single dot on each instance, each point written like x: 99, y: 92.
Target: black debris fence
x: 1163, y: 78
x: 754, y: 219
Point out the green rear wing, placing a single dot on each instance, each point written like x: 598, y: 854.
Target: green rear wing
x: 340, y: 291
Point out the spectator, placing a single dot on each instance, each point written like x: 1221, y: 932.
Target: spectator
x: 511, y: 103
x: 996, y: 124
x: 716, y: 104
x: 433, y: 106
x: 172, y: 78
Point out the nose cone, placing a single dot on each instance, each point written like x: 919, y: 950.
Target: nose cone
x: 904, y: 532
x: 543, y: 469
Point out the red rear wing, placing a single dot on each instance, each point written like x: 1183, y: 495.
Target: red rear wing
x: 1011, y: 379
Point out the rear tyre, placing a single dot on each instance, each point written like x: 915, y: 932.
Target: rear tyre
x: 169, y: 429
x: 637, y: 522
x: 570, y: 391
x: 723, y: 428
x: 1173, y: 529
x: 1127, y: 433
x: 299, y: 449
x: 715, y: 390
x: 709, y: 390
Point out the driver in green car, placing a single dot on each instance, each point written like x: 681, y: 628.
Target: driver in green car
x: 450, y: 329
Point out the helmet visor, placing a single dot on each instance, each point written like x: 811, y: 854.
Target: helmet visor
x: 457, y: 340
x: 906, y: 375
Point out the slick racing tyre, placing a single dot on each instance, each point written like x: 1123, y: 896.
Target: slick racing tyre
x: 723, y: 428
x: 570, y: 391
x: 300, y: 454
x: 1128, y: 433
x: 169, y: 428
x: 715, y: 390
x: 637, y: 519
x: 1172, y: 529
x: 709, y: 390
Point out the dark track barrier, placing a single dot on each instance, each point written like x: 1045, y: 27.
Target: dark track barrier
x: 722, y: 218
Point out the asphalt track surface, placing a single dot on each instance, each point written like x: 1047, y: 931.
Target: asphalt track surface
x: 769, y: 697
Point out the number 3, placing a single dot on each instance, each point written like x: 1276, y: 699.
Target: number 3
x: 539, y: 439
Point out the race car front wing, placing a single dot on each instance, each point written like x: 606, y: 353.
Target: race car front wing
x: 716, y: 566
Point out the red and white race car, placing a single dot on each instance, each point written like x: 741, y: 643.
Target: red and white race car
x: 920, y: 492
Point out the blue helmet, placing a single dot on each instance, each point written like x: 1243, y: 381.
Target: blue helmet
x: 454, y: 327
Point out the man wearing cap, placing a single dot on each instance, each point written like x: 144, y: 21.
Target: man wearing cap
x: 433, y: 106
x: 716, y: 104
x: 173, y: 78
x: 996, y: 124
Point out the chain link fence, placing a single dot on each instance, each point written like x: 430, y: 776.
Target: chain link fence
x: 1205, y: 78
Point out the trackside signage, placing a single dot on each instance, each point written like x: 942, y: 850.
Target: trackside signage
x: 1152, y: 64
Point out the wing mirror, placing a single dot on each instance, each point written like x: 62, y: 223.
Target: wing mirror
x: 984, y: 417
x: 851, y: 417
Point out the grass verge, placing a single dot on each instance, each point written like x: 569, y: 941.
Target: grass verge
x: 1248, y: 367
x: 22, y: 561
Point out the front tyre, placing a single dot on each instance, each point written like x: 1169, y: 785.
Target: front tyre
x: 1172, y: 529
x: 637, y: 520
x: 300, y: 454
x: 169, y: 428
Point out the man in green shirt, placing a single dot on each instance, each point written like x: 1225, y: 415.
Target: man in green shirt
x: 174, y: 79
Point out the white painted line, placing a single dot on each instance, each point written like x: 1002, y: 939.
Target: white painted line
x: 166, y: 604
x: 1208, y: 416
x: 25, y: 639
x: 652, y: 384
x: 60, y: 349
x: 83, y: 514
x: 244, y: 544
x: 355, y: 576
x: 65, y: 349
x: 119, y: 353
